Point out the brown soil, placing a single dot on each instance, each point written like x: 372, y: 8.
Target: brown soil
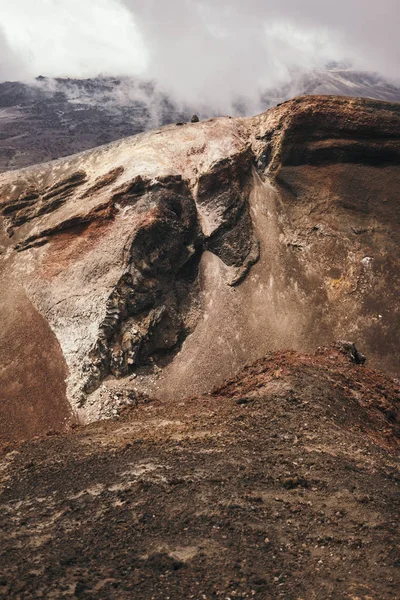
x: 281, y: 484
x: 32, y: 370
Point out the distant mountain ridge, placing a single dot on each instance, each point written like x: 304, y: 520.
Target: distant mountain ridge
x: 57, y: 117
x: 51, y: 118
x: 338, y: 82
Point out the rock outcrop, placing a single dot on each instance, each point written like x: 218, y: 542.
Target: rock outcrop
x: 162, y: 262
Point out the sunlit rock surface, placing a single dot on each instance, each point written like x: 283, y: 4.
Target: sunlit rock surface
x: 161, y: 263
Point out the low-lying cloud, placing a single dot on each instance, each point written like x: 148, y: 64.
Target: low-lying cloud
x: 198, y: 51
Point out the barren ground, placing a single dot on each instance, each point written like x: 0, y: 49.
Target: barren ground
x: 282, y: 484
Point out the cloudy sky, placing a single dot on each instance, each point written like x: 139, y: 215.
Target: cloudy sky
x: 196, y: 48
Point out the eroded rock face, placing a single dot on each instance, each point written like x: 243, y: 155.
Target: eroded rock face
x: 163, y: 262
x: 143, y: 314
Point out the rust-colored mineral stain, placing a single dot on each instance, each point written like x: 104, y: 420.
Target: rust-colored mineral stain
x: 32, y: 371
x: 68, y: 246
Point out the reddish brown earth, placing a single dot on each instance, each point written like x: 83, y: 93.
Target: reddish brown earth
x: 161, y: 263
x: 32, y: 378
x: 282, y: 483
x: 137, y: 280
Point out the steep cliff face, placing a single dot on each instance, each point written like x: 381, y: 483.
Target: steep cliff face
x: 162, y: 262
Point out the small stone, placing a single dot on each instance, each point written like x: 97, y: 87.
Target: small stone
x: 195, y: 119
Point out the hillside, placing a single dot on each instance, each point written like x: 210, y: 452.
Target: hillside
x: 50, y: 118
x: 161, y: 263
x: 282, y: 483
x: 57, y: 117
x: 176, y: 419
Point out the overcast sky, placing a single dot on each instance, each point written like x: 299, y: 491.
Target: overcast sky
x: 204, y: 49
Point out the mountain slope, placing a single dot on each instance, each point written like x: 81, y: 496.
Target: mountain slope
x: 161, y: 263
x: 283, y: 483
x: 336, y: 82
x: 58, y: 117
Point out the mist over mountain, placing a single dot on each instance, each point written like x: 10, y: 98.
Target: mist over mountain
x: 54, y: 117
x: 120, y: 67
x: 198, y: 50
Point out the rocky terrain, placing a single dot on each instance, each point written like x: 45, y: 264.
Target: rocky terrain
x: 281, y: 483
x: 168, y: 305
x: 56, y: 117
x: 161, y: 263
x: 50, y: 118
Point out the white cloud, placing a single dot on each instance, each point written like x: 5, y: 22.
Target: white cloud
x: 73, y: 37
x: 200, y: 51
x: 11, y: 66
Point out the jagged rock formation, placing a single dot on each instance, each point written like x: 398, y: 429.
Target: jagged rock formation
x: 162, y: 262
